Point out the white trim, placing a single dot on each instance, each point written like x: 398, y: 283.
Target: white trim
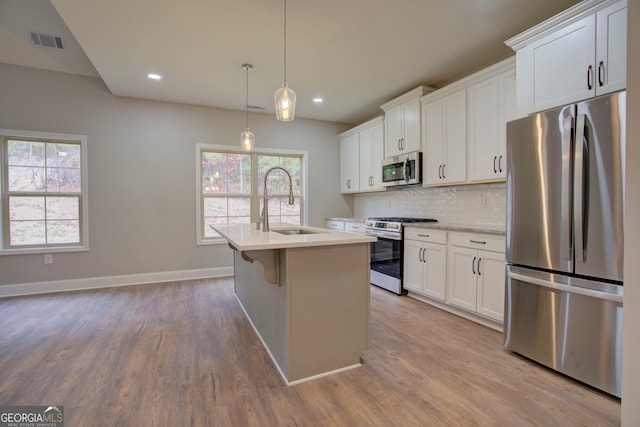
x: 566, y: 17
x: 84, y: 182
x: 200, y: 240
x: 111, y: 281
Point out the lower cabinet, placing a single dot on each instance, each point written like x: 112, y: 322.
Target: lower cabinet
x: 425, y: 262
x: 461, y: 272
x: 476, y: 273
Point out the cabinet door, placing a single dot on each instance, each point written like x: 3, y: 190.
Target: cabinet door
x: 491, y: 283
x: 611, y: 48
x: 366, y: 160
x: 563, y: 68
x: 454, y: 167
x: 432, y: 125
x: 412, y: 277
x: 461, y: 281
x: 393, y: 125
x: 484, y: 130
x: 350, y: 164
x: 377, y: 154
x: 507, y: 111
x: 411, y: 126
x: 435, y: 272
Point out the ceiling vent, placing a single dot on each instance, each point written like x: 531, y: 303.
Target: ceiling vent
x: 46, y: 40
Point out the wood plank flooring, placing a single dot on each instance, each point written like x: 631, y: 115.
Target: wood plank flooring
x: 183, y: 354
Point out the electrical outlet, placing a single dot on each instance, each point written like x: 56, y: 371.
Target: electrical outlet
x: 48, y: 258
x: 483, y: 202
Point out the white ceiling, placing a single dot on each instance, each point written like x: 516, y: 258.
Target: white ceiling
x: 357, y: 54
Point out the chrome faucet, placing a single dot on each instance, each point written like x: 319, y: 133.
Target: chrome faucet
x: 264, y: 216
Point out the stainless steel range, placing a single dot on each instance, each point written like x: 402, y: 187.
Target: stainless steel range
x: 387, y: 257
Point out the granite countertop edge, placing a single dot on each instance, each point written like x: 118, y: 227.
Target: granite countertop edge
x: 472, y: 228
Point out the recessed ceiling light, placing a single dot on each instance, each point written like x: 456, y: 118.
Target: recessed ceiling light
x: 154, y: 76
x: 317, y: 100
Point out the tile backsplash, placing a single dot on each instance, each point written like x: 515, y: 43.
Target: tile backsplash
x: 473, y: 204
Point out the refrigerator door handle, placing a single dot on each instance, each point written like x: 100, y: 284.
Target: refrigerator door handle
x: 567, y: 185
x: 566, y: 288
x: 578, y: 192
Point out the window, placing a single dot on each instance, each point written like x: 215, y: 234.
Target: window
x: 44, y: 200
x: 231, y: 184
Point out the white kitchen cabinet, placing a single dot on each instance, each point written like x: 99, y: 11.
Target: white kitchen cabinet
x: 354, y: 227
x: 475, y: 280
x: 402, y: 122
x: 371, y: 154
x: 579, y: 54
x: 350, y: 163
x: 425, y: 262
x: 444, y: 122
x: 334, y: 224
x: 492, y: 103
x: 361, y: 153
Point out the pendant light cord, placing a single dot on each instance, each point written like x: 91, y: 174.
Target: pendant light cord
x: 285, y: 40
x: 247, y: 96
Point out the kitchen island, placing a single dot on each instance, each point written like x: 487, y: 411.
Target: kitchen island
x: 305, y: 291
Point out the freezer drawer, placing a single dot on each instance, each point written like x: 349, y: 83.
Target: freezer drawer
x: 571, y: 325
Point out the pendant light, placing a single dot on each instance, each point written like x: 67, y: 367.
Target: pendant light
x: 285, y: 97
x: 247, y: 138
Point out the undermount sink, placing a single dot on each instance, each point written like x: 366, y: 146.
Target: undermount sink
x: 293, y: 231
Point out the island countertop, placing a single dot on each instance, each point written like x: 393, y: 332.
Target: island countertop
x: 245, y: 237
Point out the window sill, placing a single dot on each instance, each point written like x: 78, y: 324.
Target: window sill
x: 50, y: 250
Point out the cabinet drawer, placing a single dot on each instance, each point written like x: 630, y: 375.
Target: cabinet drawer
x: 487, y: 242
x: 335, y: 225
x: 425, y: 235
x: 354, y: 227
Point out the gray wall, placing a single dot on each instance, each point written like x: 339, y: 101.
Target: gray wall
x: 631, y: 311
x: 141, y: 159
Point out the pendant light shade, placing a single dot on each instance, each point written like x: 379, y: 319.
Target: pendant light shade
x: 247, y: 139
x: 285, y: 97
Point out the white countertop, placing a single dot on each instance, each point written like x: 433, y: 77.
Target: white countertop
x: 245, y: 237
x: 350, y: 219
x: 472, y: 228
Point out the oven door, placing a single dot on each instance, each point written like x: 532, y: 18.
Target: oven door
x: 386, y: 262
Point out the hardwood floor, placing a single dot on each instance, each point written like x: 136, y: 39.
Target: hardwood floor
x: 183, y: 354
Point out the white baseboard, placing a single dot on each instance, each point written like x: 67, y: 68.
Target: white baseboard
x: 111, y: 281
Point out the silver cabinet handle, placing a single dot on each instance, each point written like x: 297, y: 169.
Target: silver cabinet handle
x: 479, y: 273
x: 420, y: 254
x: 348, y: 183
x: 473, y: 265
x: 443, y: 174
x: 590, y: 77
x: 478, y: 242
x: 423, y: 235
x: 500, y: 163
x: 494, y: 164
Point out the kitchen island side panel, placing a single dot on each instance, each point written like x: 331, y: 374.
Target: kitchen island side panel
x: 328, y: 299
x: 265, y: 305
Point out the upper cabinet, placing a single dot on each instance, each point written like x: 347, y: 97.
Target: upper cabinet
x: 578, y: 54
x: 371, y: 154
x: 361, y: 153
x: 445, y: 136
x: 402, y: 122
x: 350, y: 163
x: 492, y: 103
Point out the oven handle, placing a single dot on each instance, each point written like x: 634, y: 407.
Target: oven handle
x: 384, y: 235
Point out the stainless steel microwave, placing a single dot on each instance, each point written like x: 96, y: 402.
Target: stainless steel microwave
x: 403, y: 169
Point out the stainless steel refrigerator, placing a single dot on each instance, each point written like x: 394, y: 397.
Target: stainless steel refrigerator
x: 565, y: 204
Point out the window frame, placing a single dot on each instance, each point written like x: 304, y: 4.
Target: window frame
x: 255, y: 197
x: 83, y: 245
